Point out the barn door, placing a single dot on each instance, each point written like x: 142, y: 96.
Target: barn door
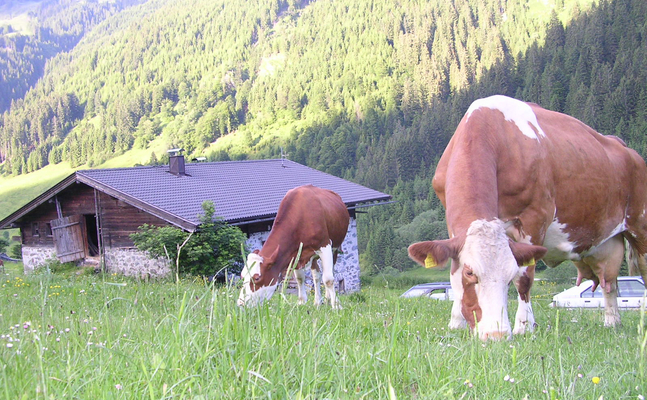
x: 69, y: 238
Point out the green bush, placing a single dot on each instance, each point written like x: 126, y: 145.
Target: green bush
x: 563, y: 273
x: 15, y: 251
x: 213, y: 248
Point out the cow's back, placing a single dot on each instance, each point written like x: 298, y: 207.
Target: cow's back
x: 313, y: 215
x: 536, y: 166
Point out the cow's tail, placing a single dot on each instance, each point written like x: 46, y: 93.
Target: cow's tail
x: 636, y: 262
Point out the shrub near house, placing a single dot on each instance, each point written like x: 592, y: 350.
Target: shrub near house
x: 215, y: 247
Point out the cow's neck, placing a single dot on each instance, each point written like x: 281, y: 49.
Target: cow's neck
x: 471, y: 188
x: 288, y: 249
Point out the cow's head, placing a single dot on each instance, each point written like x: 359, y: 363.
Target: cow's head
x: 484, y: 262
x: 260, y: 279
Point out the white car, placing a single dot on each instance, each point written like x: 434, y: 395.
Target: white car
x: 435, y: 290
x: 631, y: 292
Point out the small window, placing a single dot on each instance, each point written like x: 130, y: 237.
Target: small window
x: 590, y: 294
x: 630, y: 288
x: 34, y: 229
x: 48, y: 229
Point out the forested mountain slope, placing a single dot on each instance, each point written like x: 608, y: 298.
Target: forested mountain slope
x: 31, y: 32
x: 368, y: 90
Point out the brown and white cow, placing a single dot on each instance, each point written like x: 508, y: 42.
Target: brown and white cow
x: 316, y: 217
x: 520, y: 183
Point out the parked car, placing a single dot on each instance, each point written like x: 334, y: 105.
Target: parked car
x: 631, y: 292
x: 434, y: 290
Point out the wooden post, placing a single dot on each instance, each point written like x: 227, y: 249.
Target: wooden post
x: 97, y: 219
x: 58, y: 208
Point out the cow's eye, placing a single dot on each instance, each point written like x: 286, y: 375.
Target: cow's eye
x: 256, y: 277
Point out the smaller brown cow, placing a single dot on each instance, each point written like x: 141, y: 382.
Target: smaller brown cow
x: 308, y: 215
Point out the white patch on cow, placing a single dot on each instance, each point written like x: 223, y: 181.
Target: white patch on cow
x: 300, y: 276
x: 251, y: 268
x: 457, y: 320
x: 559, y: 245
x: 513, y: 110
x: 622, y: 227
x: 487, y: 252
x: 524, y: 320
x: 251, y: 299
x: 327, y: 274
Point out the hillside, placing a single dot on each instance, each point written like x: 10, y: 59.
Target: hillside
x: 370, y: 91
x: 32, y: 32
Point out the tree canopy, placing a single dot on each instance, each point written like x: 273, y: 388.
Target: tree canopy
x: 367, y: 90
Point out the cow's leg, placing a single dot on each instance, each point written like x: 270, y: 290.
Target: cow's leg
x: 457, y: 320
x: 605, y: 263
x: 316, y: 281
x: 326, y: 256
x: 525, y: 318
x: 300, y: 276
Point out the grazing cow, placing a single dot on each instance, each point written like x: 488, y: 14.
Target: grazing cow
x: 308, y: 215
x: 520, y: 183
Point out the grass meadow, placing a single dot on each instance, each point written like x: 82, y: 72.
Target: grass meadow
x: 68, y: 336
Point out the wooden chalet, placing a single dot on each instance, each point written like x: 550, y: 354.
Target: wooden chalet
x: 89, y: 215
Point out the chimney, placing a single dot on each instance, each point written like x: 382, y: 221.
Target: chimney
x: 176, y: 162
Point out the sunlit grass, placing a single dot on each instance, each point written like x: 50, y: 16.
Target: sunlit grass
x: 106, y: 336
x: 16, y: 191
x: 137, y: 156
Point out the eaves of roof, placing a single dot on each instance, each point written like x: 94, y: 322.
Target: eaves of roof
x: 138, y: 203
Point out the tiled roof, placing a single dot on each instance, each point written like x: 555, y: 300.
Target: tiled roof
x: 240, y: 190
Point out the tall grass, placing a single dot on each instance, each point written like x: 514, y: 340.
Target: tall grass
x: 96, y: 337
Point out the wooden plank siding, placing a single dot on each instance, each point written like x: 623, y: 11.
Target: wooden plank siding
x: 118, y: 219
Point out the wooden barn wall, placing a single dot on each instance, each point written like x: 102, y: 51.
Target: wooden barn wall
x: 119, y: 219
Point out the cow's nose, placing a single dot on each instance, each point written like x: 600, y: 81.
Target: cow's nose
x: 241, y: 303
x: 495, y: 335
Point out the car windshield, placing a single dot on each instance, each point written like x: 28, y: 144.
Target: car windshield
x: 631, y: 288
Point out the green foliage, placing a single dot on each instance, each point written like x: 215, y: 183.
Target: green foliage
x: 368, y: 91
x: 563, y: 273
x: 214, y: 247
x: 4, y: 243
x: 15, y: 251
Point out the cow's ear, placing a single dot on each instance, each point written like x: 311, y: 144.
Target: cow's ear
x: 527, y: 254
x: 434, y: 253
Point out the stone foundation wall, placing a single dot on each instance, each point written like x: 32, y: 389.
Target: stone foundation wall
x: 36, y: 257
x: 132, y: 262
x: 346, y: 267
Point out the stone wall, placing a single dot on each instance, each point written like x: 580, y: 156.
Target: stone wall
x: 126, y: 261
x: 36, y: 257
x: 132, y: 262
x: 346, y: 267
